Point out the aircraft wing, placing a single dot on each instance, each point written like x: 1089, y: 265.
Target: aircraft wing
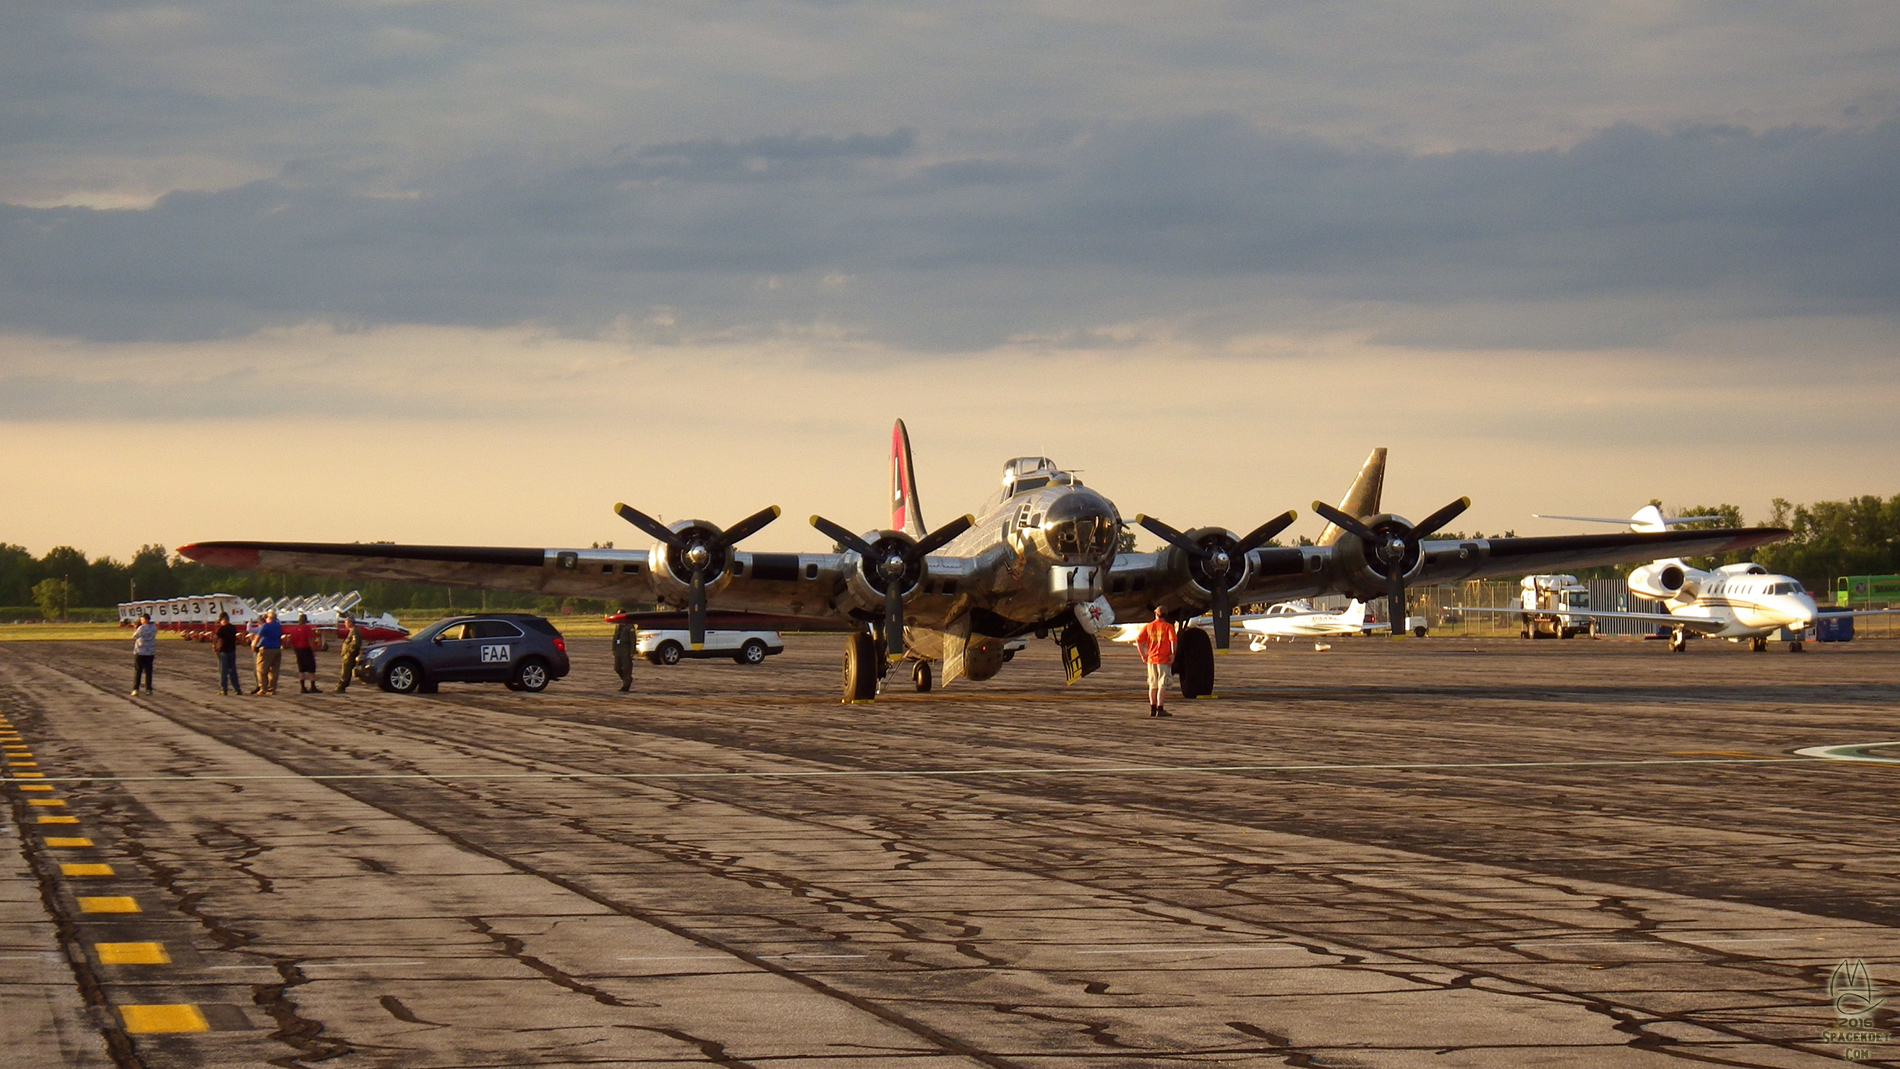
x: 794, y: 584
x: 1688, y: 622
x: 1484, y: 558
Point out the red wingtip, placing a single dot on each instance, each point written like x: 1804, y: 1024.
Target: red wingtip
x: 220, y: 556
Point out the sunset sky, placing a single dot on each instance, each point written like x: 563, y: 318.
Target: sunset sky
x: 471, y: 272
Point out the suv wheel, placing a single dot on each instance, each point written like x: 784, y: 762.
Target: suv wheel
x: 753, y: 652
x: 403, y: 677
x: 669, y: 652
x: 531, y: 675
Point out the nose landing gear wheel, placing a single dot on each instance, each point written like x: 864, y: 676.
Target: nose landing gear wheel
x: 1678, y: 641
x: 1794, y: 647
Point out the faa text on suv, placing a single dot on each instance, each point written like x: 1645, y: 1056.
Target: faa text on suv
x: 523, y: 651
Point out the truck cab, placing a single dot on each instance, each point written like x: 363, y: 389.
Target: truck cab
x: 1546, y: 601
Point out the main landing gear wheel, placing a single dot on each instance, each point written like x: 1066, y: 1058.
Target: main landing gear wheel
x: 1794, y: 647
x: 1758, y: 643
x: 920, y: 677
x: 860, y: 668
x: 1194, y: 662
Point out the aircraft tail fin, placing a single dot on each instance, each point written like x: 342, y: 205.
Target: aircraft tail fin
x: 905, y: 515
x: 1355, y: 614
x: 1648, y: 518
x: 1362, y: 499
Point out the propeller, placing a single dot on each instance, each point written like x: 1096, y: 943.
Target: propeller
x: 1387, y: 550
x: 891, y: 560
x: 702, y: 551
x: 1213, y: 556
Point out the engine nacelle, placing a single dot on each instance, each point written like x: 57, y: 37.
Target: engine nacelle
x: 1661, y: 581
x: 1361, y: 568
x: 673, y: 576
x: 1744, y: 568
x: 864, y: 579
x: 1195, y: 569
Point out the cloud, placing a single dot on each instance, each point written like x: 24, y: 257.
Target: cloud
x: 1190, y: 220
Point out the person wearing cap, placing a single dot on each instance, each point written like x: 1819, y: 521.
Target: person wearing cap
x: 352, y: 652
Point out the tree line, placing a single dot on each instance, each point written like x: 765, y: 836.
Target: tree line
x: 1858, y: 536
x: 66, y: 584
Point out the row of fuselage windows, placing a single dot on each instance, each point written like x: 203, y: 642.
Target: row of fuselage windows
x: 1755, y: 586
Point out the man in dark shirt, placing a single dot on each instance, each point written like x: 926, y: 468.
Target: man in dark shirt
x: 224, y: 641
x: 623, y: 652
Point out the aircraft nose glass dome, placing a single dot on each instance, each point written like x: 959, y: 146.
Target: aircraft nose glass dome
x: 1083, y: 525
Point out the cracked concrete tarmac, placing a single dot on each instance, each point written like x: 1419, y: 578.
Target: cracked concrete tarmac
x: 1396, y: 854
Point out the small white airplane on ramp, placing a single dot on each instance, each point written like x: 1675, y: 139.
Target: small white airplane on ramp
x: 1735, y: 601
x: 1289, y: 620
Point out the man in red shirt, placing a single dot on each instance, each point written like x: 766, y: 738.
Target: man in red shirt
x: 1156, y: 643
x: 302, y: 640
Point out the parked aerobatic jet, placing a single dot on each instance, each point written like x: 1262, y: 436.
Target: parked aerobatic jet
x: 1041, y: 557
x: 1287, y: 620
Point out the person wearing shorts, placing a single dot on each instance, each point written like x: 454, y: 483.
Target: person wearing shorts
x: 1156, y: 643
x: 302, y: 640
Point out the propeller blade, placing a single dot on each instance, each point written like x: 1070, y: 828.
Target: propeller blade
x: 648, y: 524
x: 696, y: 611
x: 894, y: 622
x: 1344, y: 522
x: 1430, y: 524
x: 1223, y: 618
x: 1395, y: 604
x: 747, y: 527
x: 841, y: 536
x: 1171, y: 536
x: 943, y: 536
x: 1259, y: 535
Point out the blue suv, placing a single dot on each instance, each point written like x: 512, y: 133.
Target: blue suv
x: 518, y: 649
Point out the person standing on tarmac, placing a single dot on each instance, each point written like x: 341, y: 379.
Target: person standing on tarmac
x: 623, y: 652
x: 269, y: 644
x: 302, y: 639
x: 352, y: 653
x: 144, y: 652
x: 1156, y: 643
x: 224, y: 642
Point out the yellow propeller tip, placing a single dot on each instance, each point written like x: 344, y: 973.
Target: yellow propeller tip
x: 699, y: 646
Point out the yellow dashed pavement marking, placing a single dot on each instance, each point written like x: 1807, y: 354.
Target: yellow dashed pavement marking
x: 55, y: 841
x: 180, y: 1018
x: 34, y: 787
x: 23, y: 764
x: 85, y: 870
x: 112, y: 904
x: 58, y: 820
x: 131, y: 953
x: 45, y: 801
x: 29, y: 775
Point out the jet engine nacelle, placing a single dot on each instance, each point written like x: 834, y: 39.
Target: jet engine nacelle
x: 1362, y: 569
x: 673, y: 575
x: 1196, y: 570
x: 865, y: 578
x: 1661, y: 580
x: 1744, y: 568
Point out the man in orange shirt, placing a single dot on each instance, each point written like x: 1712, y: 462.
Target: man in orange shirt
x: 1156, y: 643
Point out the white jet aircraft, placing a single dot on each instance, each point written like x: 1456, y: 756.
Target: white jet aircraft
x: 1735, y: 601
x: 1287, y: 620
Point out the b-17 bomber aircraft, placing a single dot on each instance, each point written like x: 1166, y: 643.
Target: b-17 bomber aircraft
x: 1041, y: 557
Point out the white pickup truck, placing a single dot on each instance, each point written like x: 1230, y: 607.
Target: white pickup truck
x: 745, y: 647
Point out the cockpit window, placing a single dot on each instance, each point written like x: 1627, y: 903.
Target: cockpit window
x: 1025, y: 485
